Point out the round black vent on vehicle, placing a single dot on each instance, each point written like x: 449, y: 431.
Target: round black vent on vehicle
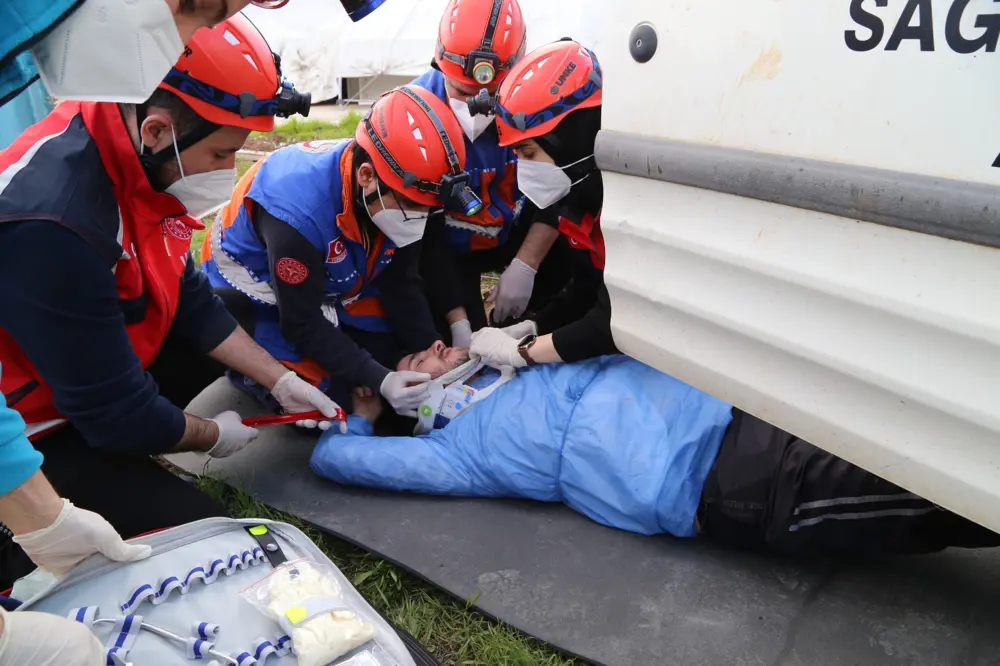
x: 642, y: 42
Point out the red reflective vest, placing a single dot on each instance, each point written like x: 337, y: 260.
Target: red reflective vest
x: 146, y: 244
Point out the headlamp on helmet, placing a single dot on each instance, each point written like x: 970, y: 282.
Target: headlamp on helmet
x: 457, y: 196
x: 482, y: 103
x: 452, y: 189
x: 483, y: 65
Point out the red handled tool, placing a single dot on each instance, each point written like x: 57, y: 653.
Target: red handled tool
x: 282, y: 419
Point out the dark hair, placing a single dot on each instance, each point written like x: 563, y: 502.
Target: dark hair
x: 185, y: 118
x: 572, y: 142
x: 368, y: 230
x: 360, y: 156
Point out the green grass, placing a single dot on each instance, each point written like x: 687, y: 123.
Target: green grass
x: 296, y: 130
x: 452, y: 631
x: 293, y: 131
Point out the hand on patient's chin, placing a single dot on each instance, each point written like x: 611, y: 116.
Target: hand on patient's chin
x: 494, y: 346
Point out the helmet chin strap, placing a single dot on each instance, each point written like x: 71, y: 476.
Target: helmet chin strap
x: 151, y: 161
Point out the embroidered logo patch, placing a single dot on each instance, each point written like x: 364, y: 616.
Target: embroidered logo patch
x: 319, y: 145
x: 336, y: 252
x: 291, y: 271
x: 178, y: 229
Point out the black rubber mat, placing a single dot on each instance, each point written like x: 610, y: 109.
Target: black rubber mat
x: 622, y: 599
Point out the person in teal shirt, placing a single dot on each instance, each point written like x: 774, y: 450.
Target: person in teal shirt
x: 55, y: 534
x: 18, y: 459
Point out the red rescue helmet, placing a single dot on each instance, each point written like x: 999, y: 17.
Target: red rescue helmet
x: 229, y: 76
x: 418, y: 149
x: 480, y: 40
x: 546, y: 85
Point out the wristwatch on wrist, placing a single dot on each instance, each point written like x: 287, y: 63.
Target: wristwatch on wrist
x: 524, y: 345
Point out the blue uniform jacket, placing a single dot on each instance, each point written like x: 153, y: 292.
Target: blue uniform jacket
x: 493, y: 176
x: 301, y: 185
x: 612, y: 438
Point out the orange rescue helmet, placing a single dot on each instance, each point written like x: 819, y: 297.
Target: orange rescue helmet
x: 229, y: 76
x: 480, y: 40
x: 546, y: 85
x: 417, y: 148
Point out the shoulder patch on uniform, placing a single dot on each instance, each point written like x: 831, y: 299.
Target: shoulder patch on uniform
x: 319, y: 145
x: 177, y: 228
x: 336, y: 252
x: 291, y: 271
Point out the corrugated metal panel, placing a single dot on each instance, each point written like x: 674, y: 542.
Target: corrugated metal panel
x: 878, y: 344
x: 873, y: 84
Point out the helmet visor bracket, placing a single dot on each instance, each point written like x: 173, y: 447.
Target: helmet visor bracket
x: 452, y: 189
x: 286, y: 102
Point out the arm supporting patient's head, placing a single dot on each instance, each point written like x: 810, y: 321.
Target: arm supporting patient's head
x: 435, y: 360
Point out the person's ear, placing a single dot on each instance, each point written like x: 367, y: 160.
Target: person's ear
x: 367, y: 178
x: 156, y: 131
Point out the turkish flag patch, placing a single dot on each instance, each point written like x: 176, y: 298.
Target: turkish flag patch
x: 291, y: 271
x: 336, y: 252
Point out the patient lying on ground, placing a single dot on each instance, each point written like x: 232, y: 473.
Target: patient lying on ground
x: 435, y: 360
x: 633, y: 448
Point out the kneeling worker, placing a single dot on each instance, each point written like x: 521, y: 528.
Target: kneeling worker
x: 549, y: 110
x: 104, y: 323
x: 478, y: 43
x: 321, y: 240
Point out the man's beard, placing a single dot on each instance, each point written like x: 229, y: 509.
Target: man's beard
x: 163, y: 175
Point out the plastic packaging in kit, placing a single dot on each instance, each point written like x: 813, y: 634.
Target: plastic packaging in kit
x: 306, y: 599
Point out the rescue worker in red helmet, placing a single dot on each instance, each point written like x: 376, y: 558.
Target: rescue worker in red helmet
x: 109, y: 50
x: 322, y: 242
x: 104, y: 320
x: 478, y: 43
x: 548, y: 110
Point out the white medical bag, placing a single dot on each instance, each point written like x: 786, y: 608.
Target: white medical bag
x: 191, y: 587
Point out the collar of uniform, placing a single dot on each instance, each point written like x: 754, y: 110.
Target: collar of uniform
x: 106, y: 125
x: 346, y: 220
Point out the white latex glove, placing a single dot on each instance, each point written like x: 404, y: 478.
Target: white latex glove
x: 513, y: 292
x: 405, y: 390
x: 520, y: 331
x: 233, y: 435
x: 43, y: 639
x: 494, y: 346
x: 295, y: 394
x: 75, y: 535
x: 461, y: 333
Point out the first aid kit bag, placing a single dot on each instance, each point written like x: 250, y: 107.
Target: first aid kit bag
x: 226, y: 592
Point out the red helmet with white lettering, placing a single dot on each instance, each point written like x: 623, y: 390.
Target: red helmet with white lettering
x: 229, y: 76
x: 418, y: 149
x: 479, y: 41
x: 546, y: 85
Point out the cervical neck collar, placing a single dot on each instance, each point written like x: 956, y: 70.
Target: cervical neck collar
x: 450, y: 396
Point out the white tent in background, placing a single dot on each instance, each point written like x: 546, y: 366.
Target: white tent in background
x: 323, y: 52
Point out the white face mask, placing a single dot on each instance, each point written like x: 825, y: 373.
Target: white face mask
x: 202, y: 193
x: 401, y: 227
x: 544, y: 183
x: 472, y: 125
x: 110, y: 51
